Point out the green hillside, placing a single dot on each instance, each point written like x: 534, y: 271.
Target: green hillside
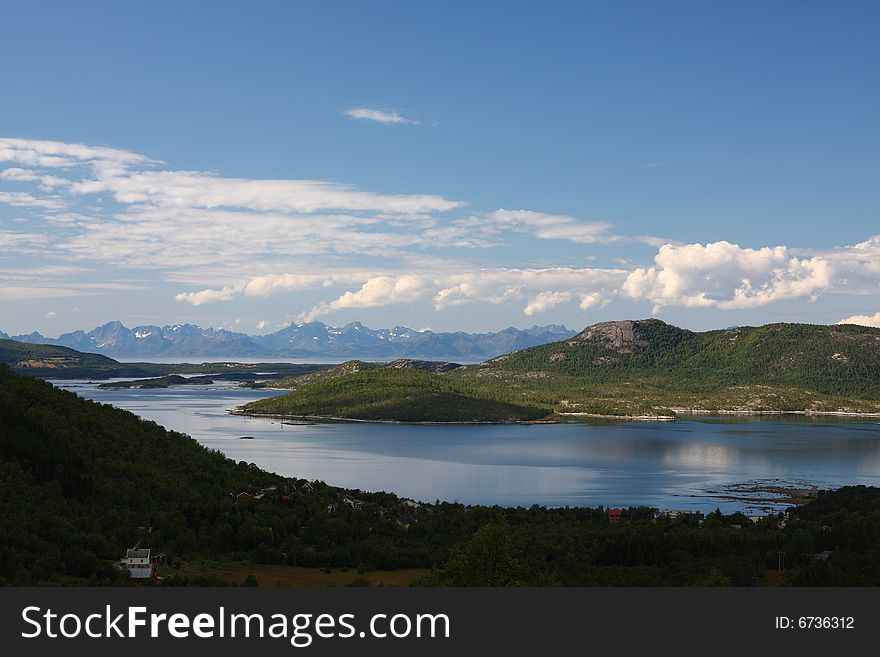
x: 630, y: 368
x: 836, y: 360
x: 49, y: 361
x: 634, y: 367
x: 328, y: 372
x: 400, y: 394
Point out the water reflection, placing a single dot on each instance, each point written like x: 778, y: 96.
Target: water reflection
x: 662, y: 464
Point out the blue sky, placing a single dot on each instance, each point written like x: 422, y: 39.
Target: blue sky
x: 457, y: 165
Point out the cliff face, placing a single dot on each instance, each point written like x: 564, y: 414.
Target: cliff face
x: 621, y: 336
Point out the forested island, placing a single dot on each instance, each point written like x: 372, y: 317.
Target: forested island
x: 630, y: 369
x: 159, y: 382
x: 81, y: 482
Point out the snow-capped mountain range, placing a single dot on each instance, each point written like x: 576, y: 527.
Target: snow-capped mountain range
x: 314, y: 339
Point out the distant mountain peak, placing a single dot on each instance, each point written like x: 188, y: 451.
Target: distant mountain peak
x: 312, y: 339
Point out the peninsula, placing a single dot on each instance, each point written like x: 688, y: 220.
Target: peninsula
x: 644, y: 369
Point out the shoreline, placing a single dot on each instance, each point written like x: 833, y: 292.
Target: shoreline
x: 682, y: 412
x: 805, y: 413
x: 333, y: 418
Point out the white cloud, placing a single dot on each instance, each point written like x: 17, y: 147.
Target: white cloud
x: 544, y: 301
x: 50, y: 314
x: 377, y: 291
x: 47, y: 182
x: 591, y: 299
x: 863, y: 320
x: 552, y: 226
x: 21, y: 241
x: 117, y: 209
x: 226, y: 293
x: 151, y: 237
x: 195, y: 189
x: 24, y: 292
x: 15, y: 173
x: 41, y: 273
x: 25, y: 200
x: 496, y: 286
x: 262, y: 324
x: 43, y: 153
x: 378, y: 116
x: 264, y: 286
x: 489, y: 286
x: 54, y: 281
x: 267, y: 285
x: 727, y: 276
x: 652, y: 240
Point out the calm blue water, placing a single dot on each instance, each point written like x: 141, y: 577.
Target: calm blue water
x: 675, y: 465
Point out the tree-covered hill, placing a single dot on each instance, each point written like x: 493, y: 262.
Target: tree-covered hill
x: 52, y: 361
x: 629, y: 368
x: 393, y: 393
x: 637, y: 367
x: 354, y: 366
x: 80, y: 482
x: 834, y: 360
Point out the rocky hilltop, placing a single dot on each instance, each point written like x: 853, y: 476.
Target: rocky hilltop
x: 622, y: 336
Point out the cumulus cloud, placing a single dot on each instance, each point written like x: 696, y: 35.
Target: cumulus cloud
x: 488, y: 286
x: 267, y: 285
x: 377, y: 116
x: 264, y: 286
x: 591, y: 299
x: 559, y: 285
x: 544, y: 301
x: 225, y: 293
x: 727, y: 276
x: 863, y: 320
x: 262, y: 324
x: 50, y: 314
x: 377, y: 291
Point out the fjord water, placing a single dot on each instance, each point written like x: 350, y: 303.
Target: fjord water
x: 678, y: 465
